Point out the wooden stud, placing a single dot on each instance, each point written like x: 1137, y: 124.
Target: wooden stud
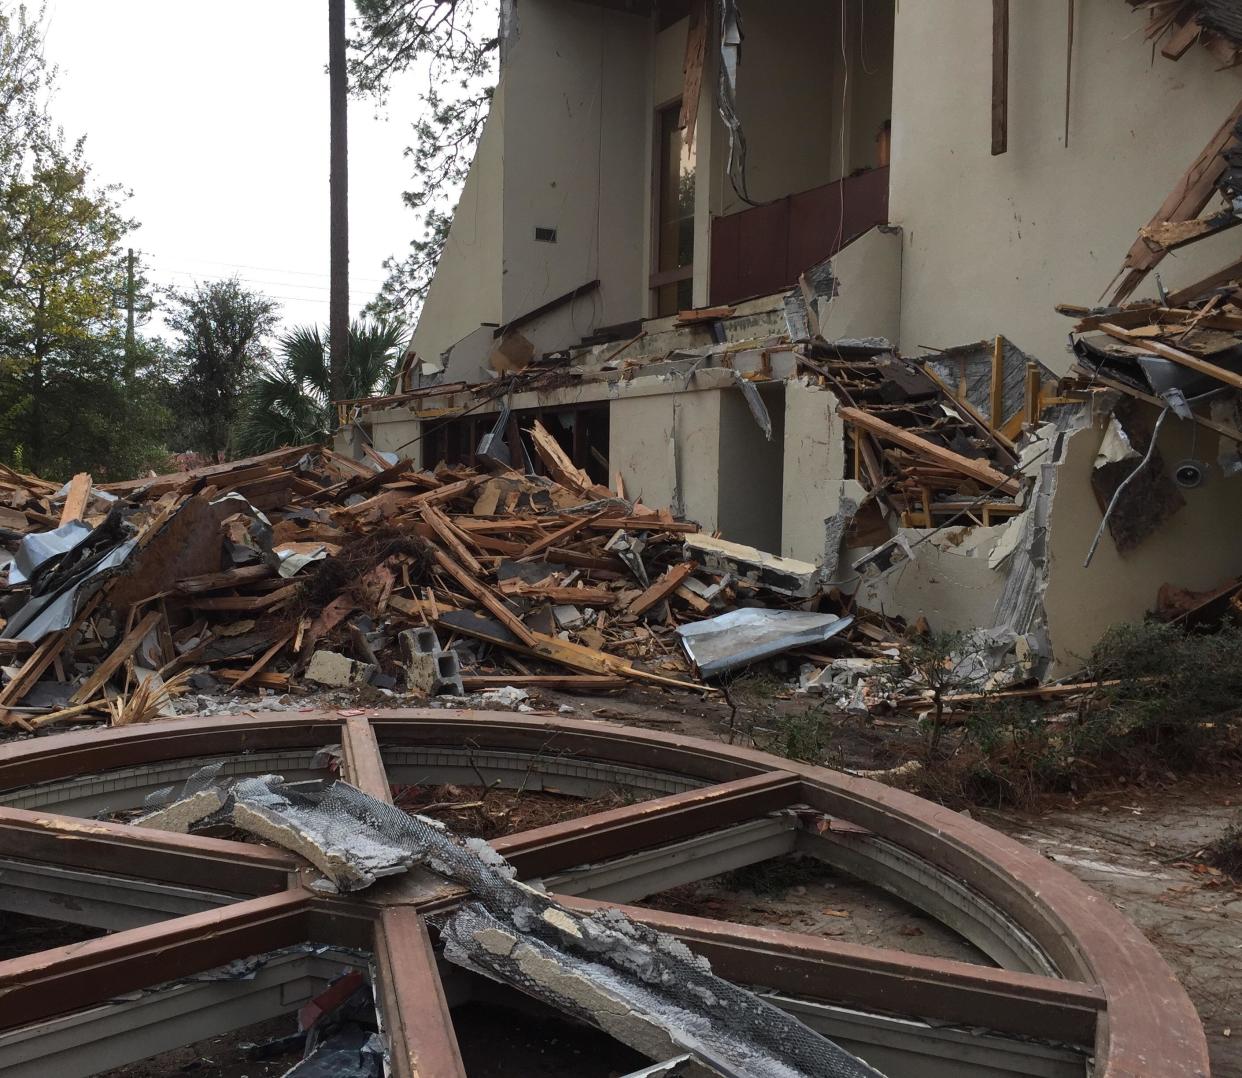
x: 1000, y: 77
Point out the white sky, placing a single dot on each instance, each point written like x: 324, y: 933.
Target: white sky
x: 215, y: 115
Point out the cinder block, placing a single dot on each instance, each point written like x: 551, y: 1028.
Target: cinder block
x: 448, y: 675
x: 419, y: 642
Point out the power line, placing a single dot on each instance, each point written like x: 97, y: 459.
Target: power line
x: 269, y: 269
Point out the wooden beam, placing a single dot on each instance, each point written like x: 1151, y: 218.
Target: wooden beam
x: 661, y: 589
x: 487, y: 597
x: 1181, y: 39
x: 1183, y: 359
x: 443, y: 527
x: 558, y: 537
x: 1189, y: 196
x: 1220, y: 278
x: 1000, y: 77
x: 996, y: 405
x: 78, y: 495
x: 91, y: 686
x: 973, y: 469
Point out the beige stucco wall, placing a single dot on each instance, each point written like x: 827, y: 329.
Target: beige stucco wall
x: 948, y: 582
x: 992, y: 243
x: 813, y: 470
x: 660, y: 442
x: 868, y: 289
x: 466, y: 288
x: 1196, y: 548
x: 576, y: 130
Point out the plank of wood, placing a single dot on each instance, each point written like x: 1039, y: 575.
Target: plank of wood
x: 1178, y: 43
x: 262, y: 660
x: 246, y: 602
x: 573, y: 558
x: 1000, y: 77
x: 1183, y: 359
x: 974, y: 415
x: 662, y: 588
x: 267, y: 679
x: 594, y: 597
x: 228, y: 578
x: 560, y: 682
x: 575, y: 656
x: 996, y: 391
x: 703, y: 314
x: 441, y: 525
x: 921, y: 447
x: 78, y: 495
x: 487, y: 597
x: 558, y: 538
x: 1189, y: 196
x: 133, y: 639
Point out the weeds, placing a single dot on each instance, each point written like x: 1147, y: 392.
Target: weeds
x: 1167, y: 703
x: 1226, y: 852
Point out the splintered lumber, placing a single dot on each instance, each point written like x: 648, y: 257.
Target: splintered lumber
x: 1186, y: 201
x: 554, y: 458
x: 487, y: 597
x: 662, y: 588
x: 133, y: 639
x: 558, y: 537
x: 78, y: 495
x: 262, y: 660
x: 1184, y: 359
x: 558, y: 595
x: 443, y: 527
x: 921, y: 447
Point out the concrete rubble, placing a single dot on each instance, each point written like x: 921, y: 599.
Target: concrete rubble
x: 636, y: 984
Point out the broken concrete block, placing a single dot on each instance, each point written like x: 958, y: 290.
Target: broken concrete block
x: 337, y: 671
x: 785, y: 576
x: 418, y: 642
x: 505, y: 696
x: 421, y: 673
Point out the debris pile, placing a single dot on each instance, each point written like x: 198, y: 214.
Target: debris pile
x: 305, y: 568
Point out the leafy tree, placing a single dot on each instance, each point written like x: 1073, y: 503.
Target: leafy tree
x: 25, y: 83
x: 289, y: 400
x: 390, y: 38
x: 59, y: 267
x: 221, y: 328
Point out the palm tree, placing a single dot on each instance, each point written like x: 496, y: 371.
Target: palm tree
x: 289, y: 400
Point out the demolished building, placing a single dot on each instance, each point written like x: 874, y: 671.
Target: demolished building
x: 690, y: 307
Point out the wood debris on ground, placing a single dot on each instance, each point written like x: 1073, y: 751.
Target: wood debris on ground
x: 302, y: 568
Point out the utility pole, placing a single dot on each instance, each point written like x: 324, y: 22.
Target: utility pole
x: 338, y: 183
x: 129, y: 309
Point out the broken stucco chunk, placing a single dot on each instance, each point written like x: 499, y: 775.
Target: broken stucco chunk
x: 350, y: 856
x: 785, y: 576
x: 337, y: 671
x: 183, y: 814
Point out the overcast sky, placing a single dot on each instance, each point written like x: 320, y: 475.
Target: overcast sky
x: 215, y: 115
